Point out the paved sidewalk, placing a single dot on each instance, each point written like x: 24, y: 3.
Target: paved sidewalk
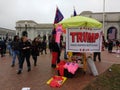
x: 36, y: 79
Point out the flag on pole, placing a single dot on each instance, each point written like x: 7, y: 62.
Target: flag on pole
x: 58, y: 16
x: 74, y: 13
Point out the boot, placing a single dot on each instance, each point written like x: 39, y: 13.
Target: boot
x: 29, y: 69
x: 19, y: 72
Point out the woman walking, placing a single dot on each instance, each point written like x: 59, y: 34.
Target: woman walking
x: 15, y: 50
x: 25, y: 47
x: 35, y: 50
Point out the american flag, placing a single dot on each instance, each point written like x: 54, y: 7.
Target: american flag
x: 111, y: 33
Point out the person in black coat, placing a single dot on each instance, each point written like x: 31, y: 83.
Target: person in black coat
x: 44, y: 46
x: 35, y: 50
x: 117, y: 45
x: 25, y: 48
x: 15, y: 50
x: 110, y: 46
x: 55, y: 52
x: 2, y: 47
x: 95, y: 54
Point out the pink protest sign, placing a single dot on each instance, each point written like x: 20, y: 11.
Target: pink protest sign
x: 58, y: 33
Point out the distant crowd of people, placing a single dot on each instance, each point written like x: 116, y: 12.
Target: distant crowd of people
x: 109, y: 46
x: 112, y: 43
x: 22, y: 48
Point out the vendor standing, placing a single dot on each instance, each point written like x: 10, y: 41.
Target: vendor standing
x: 55, y: 51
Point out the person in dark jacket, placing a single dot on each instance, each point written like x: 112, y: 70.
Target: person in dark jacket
x: 15, y: 50
x: 50, y: 46
x: 35, y: 50
x: 44, y: 46
x: 117, y: 45
x: 49, y: 42
x: 2, y: 47
x: 9, y: 46
x: 59, y: 52
x: 55, y: 51
x: 25, y: 48
x: 110, y: 46
x: 95, y: 54
x: 44, y: 37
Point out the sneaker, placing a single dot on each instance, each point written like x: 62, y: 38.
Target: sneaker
x: 12, y: 65
x: 19, y: 72
x: 53, y: 66
x: 35, y: 64
x: 29, y: 69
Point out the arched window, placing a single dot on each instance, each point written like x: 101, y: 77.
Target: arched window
x: 112, y: 33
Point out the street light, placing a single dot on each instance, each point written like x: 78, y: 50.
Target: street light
x: 104, y: 16
x: 19, y: 30
x: 24, y: 33
x: 25, y: 26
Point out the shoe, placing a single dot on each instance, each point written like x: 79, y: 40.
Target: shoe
x: 53, y: 66
x: 29, y: 69
x: 35, y: 64
x: 65, y: 58
x: 12, y: 65
x: 19, y: 72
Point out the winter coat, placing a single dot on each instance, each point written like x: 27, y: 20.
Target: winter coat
x: 15, y: 45
x: 35, y: 49
x: 25, y: 48
x: 55, y: 47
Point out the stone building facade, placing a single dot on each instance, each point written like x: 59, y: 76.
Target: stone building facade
x: 112, y: 21
x: 33, y: 29
x: 7, y: 33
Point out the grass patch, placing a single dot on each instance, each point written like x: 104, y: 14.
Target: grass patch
x: 109, y: 80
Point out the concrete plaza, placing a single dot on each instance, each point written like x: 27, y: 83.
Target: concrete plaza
x: 38, y: 76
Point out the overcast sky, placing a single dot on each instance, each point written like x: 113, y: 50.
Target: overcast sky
x: 43, y: 11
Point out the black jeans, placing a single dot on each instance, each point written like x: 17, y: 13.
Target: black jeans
x: 23, y: 57
x: 97, y: 54
x: 35, y: 59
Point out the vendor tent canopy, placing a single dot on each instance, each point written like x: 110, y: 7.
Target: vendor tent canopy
x: 80, y: 21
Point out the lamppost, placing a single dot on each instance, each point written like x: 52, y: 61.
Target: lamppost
x: 7, y: 35
x: 25, y: 26
x: 24, y: 33
x: 104, y: 16
x: 19, y: 30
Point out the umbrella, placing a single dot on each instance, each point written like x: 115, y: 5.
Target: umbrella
x: 80, y: 21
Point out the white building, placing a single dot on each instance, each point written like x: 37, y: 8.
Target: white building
x: 33, y: 29
x: 112, y: 21
x: 4, y: 32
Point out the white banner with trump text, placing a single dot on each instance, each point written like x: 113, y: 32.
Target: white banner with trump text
x: 83, y: 40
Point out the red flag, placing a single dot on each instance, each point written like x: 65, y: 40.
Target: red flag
x: 58, y: 16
